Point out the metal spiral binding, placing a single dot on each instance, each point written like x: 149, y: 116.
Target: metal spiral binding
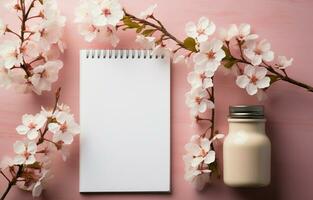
x: 122, y: 54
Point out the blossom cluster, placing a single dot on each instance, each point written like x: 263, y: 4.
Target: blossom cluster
x: 44, y: 133
x: 98, y: 19
x: 206, y: 62
x: 198, y: 158
x: 255, y: 54
x: 29, y: 60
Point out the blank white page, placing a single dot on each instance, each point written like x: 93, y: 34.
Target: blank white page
x: 125, y: 121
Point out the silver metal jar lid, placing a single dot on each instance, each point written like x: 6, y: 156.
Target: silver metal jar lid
x: 246, y: 111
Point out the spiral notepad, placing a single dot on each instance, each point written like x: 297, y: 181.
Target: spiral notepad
x: 125, y: 121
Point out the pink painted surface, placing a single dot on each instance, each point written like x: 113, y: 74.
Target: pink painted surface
x: 286, y: 23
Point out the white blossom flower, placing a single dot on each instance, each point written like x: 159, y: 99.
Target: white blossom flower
x: 200, y: 79
x: 254, y: 78
x: 46, y: 34
x: 88, y: 31
x: 108, y: 33
x: 200, y: 149
x: 64, y: 129
x: 197, y: 100
x: 148, y: 12
x: 160, y: 50
x: 10, y: 54
x: 210, y: 55
x: 41, y: 183
x: 283, y: 62
x: 44, y: 75
x: 25, y: 152
x: 31, y: 125
x: 82, y: 12
x: 197, y: 160
x: 258, y: 52
x: 31, y: 49
x: 3, y: 28
x: 229, y: 33
x: 146, y: 42
x: 202, y: 30
x: 244, y: 33
x: 107, y: 12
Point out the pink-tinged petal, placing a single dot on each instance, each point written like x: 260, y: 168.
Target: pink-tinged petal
x: 191, y: 30
x: 207, y: 83
x: 219, y: 55
x: 249, y: 53
x: 260, y: 72
x: 210, y: 104
x: 187, y: 159
x: 200, y: 58
x: 242, y: 81
x: 202, y: 107
x: 252, y: 37
x: 27, y: 119
x: 244, y: 29
x: 256, y: 60
x: 19, y: 147
x: 193, y: 149
x: 202, y: 38
x: 32, y: 134
x: 22, y: 129
x: 19, y: 159
x: 67, y: 138
x: 54, y: 127
x: 212, y: 65
x: 217, y: 44
x: 210, y: 28
x: 210, y: 157
x: 268, y: 56
x: 31, y: 160
x: 37, y: 190
x: 263, y: 83
x: 191, y: 78
x: 251, y: 89
x: 264, y: 46
x: 205, y: 144
x: 40, y: 120
x: 196, y: 161
x: 205, y: 47
x: 32, y: 147
x: 218, y: 136
x: 203, y: 22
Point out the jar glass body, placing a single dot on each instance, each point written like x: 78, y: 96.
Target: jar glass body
x: 247, y: 154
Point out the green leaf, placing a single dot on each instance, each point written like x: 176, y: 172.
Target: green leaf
x: 190, y: 44
x: 229, y: 63
x: 130, y: 24
x: 140, y: 29
x: 227, y: 53
x: 148, y: 32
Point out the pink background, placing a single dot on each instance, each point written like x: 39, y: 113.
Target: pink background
x: 286, y: 23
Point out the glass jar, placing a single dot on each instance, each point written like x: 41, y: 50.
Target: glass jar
x: 247, y: 149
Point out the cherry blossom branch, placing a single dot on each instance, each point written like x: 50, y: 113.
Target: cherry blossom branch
x: 283, y: 76
x: 22, y: 172
x: 12, y: 182
x: 158, y: 27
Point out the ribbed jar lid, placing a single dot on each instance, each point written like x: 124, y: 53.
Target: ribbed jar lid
x: 246, y: 111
